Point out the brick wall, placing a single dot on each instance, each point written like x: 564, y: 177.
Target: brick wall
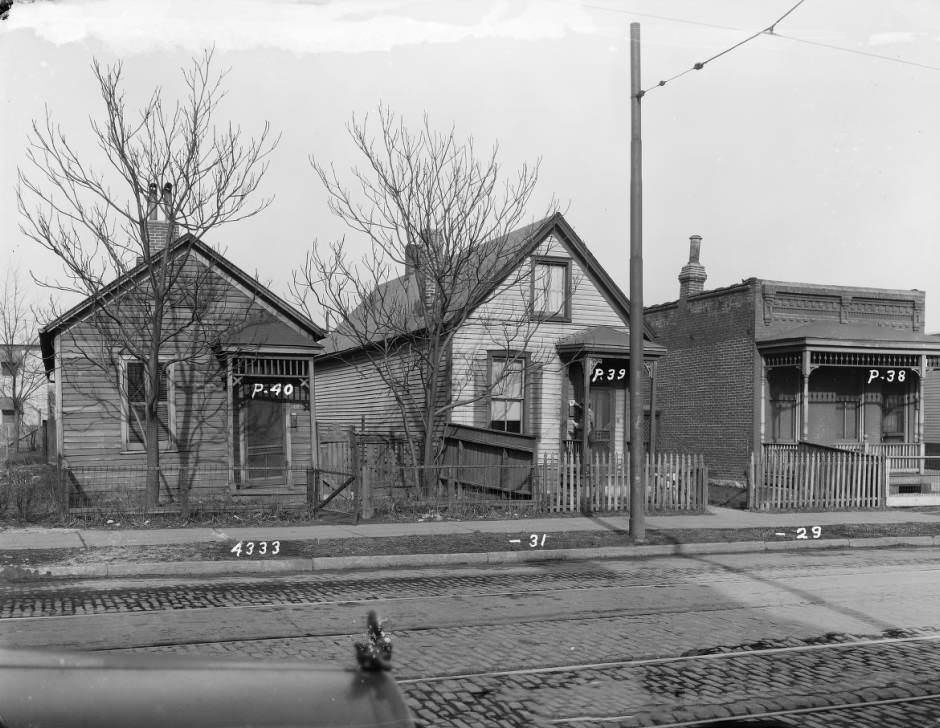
x: 706, y: 381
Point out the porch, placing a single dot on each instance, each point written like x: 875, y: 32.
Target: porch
x: 851, y: 388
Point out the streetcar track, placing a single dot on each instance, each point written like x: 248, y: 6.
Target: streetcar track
x: 753, y: 716
x: 80, y: 604
x: 669, y: 660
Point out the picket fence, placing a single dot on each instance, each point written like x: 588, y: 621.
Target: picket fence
x: 677, y: 482
x: 783, y: 480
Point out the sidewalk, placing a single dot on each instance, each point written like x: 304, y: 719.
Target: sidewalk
x: 725, y: 518
x: 785, y: 538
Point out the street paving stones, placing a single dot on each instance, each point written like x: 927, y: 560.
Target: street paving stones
x: 461, y: 660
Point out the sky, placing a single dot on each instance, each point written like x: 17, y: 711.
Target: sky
x: 799, y: 156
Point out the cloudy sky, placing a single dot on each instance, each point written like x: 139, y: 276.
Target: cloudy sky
x: 812, y: 155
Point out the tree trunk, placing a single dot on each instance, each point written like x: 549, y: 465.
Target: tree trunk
x: 429, y: 475
x: 153, y: 458
x: 17, y: 428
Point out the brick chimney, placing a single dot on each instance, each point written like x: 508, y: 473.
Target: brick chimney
x: 692, y: 276
x: 157, y: 223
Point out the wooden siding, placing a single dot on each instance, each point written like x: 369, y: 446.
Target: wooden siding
x: 588, y: 308
x: 90, y: 403
x: 932, y: 407
x: 350, y: 391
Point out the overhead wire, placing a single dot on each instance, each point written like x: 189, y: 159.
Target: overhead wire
x: 856, y: 51
x: 701, y: 64
x: 769, y: 30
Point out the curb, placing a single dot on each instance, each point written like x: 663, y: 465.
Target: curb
x: 334, y: 563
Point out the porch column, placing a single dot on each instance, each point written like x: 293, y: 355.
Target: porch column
x: 230, y: 419
x: 651, y: 369
x: 922, y: 374
x: 804, y: 406
x: 763, y: 405
x: 314, y: 439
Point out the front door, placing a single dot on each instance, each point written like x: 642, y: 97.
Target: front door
x: 264, y: 442
x: 601, y: 419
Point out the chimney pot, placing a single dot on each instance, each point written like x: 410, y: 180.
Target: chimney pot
x: 692, y: 276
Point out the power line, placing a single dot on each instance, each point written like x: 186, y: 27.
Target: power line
x: 856, y: 51
x: 699, y: 66
x: 659, y: 17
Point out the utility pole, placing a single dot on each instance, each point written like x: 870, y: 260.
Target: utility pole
x: 637, y: 484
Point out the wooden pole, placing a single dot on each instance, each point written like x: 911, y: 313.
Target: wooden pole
x: 586, y: 366
x: 637, y: 489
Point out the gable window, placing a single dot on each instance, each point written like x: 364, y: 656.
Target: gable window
x: 507, y: 398
x: 551, y: 289
x: 135, y: 404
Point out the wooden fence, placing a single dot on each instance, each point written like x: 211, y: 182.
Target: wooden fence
x: 780, y: 480
x: 678, y: 482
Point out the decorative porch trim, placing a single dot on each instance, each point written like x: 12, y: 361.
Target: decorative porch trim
x: 787, y: 359
x: 865, y: 359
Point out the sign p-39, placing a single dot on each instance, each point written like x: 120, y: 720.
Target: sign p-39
x: 610, y: 371
x: 888, y: 375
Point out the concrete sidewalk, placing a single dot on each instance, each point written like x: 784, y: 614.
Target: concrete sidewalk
x: 723, y: 518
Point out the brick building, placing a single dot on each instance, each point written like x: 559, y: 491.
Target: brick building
x: 763, y: 364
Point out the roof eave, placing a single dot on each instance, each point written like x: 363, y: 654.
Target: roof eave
x: 830, y: 343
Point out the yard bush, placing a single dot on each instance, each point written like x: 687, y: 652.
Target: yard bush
x: 30, y: 491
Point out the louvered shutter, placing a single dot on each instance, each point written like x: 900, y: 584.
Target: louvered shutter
x: 533, y: 400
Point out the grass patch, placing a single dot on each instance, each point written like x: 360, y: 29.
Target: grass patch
x: 436, y: 544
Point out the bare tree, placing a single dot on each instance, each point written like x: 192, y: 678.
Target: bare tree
x: 103, y: 226
x: 22, y: 374
x: 428, y: 202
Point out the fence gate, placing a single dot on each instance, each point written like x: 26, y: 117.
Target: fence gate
x: 335, y: 483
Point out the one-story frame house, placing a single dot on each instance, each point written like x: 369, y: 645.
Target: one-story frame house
x: 555, y: 380
x: 764, y: 364
x: 236, y: 410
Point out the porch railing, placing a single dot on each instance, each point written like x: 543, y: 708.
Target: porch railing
x: 903, y: 457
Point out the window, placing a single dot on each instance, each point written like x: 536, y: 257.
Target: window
x: 8, y: 368
x: 135, y: 406
x: 507, y: 381
x: 550, y: 289
x: 783, y: 419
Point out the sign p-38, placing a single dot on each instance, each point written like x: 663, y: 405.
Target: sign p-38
x: 888, y: 375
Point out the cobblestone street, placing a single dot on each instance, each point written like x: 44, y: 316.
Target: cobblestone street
x: 668, y: 641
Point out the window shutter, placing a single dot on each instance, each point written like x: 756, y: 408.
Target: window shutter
x: 533, y: 400
x: 481, y: 383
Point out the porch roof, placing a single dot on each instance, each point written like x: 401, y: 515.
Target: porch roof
x: 850, y: 336
x: 271, y: 337
x: 606, y: 340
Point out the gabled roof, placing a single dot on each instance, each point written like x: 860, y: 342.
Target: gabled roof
x: 404, y: 293
x: 217, y: 260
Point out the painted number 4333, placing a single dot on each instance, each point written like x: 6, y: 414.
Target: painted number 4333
x: 248, y: 548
